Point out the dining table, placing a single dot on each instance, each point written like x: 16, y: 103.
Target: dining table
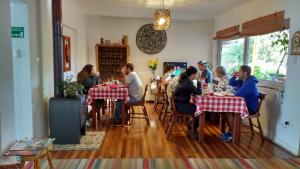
x: 221, y: 103
x: 107, y: 92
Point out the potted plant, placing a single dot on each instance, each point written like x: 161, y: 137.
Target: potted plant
x: 70, y: 88
x: 67, y: 113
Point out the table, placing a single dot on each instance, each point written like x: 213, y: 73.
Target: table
x: 11, y: 162
x: 32, y: 150
x: 221, y: 104
x: 107, y: 92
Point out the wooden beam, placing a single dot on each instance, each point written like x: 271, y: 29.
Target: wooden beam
x: 57, y: 45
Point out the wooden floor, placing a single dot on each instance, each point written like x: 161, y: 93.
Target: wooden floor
x: 140, y: 141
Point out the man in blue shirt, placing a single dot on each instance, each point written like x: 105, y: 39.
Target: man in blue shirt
x: 246, y: 87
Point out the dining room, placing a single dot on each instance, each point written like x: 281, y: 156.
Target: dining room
x: 149, y: 84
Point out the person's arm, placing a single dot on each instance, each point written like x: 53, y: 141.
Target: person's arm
x: 245, y: 90
x: 234, y: 82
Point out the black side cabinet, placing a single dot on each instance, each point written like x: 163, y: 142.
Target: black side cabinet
x: 67, y: 119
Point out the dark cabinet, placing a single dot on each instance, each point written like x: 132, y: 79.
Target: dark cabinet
x: 67, y: 119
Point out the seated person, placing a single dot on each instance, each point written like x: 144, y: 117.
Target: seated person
x: 221, y: 79
x: 135, y: 88
x: 246, y: 87
x: 169, y: 69
x: 205, y: 72
x: 184, y: 95
x: 88, y: 78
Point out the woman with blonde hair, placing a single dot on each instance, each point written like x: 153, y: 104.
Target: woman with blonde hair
x: 221, y: 78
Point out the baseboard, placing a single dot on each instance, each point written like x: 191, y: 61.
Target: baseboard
x: 284, y: 145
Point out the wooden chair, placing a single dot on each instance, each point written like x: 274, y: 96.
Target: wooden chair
x: 139, y: 104
x: 256, y: 116
x: 165, y: 109
x: 159, y: 98
x: 174, y: 118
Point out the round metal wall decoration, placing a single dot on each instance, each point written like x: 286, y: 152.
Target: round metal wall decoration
x: 151, y: 41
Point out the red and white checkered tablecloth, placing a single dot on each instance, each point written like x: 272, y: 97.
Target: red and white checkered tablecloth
x: 221, y: 104
x: 106, y: 92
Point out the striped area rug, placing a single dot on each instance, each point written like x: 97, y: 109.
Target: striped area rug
x: 192, y: 163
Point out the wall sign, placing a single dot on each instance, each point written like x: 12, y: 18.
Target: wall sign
x: 295, y: 48
x: 17, y: 32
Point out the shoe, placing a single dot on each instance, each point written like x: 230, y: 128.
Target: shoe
x: 227, y: 137
x: 88, y: 123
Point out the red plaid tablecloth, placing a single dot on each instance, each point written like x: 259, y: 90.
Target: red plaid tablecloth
x: 106, y: 92
x: 221, y: 104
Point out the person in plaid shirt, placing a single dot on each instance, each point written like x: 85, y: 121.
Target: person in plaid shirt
x: 135, y: 89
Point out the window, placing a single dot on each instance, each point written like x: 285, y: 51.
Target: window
x: 266, y: 54
x: 232, y: 54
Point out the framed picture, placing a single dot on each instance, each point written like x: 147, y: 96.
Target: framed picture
x: 67, y: 53
x: 295, y: 48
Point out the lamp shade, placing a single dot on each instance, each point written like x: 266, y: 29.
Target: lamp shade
x: 162, y: 19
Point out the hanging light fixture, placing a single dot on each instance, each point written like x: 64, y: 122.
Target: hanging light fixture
x: 162, y: 18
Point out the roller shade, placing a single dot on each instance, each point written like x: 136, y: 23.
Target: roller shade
x: 264, y: 25
x: 227, y: 33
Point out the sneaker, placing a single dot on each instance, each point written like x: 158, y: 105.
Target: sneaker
x: 227, y: 137
x: 88, y: 123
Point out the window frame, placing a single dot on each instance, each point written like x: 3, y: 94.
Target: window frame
x: 245, y: 54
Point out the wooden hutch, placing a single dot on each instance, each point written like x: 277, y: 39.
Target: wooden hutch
x: 109, y: 58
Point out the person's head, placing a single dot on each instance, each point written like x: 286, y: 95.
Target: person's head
x: 169, y: 68
x: 88, y: 69
x: 123, y: 69
x: 129, y: 67
x: 189, y: 73
x: 245, y: 72
x: 202, y: 65
x: 220, y: 72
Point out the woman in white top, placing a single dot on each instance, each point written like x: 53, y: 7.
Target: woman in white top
x: 221, y: 78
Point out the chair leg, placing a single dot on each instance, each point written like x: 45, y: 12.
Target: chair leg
x: 251, y: 124
x: 260, y: 129
x: 170, y: 128
x: 146, y: 115
x: 168, y: 123
x: 165, y: 114
x: 161, y: 112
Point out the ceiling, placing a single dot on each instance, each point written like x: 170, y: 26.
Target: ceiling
x: 183, y: 10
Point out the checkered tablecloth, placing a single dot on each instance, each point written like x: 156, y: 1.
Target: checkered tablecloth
x: 228, y: 104
x: 106, y: 92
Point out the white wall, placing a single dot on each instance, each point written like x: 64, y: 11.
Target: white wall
x: 286, y: 136
x: 7, y: 118
x: 21, y: 65
x: 187, y: 41
x: 75, y: 25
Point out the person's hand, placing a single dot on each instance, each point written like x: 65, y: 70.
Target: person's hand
x: 235, y: 74
x: 192, y: 99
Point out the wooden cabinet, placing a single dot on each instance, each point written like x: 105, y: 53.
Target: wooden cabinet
x: 109, y: 58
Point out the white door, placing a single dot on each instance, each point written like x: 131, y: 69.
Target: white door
x: 21, y: 70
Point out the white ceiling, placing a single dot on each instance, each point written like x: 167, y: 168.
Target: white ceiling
x: 183, y: 10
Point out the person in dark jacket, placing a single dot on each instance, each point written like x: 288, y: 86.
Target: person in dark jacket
x: 184, y: 95
x: 246, y: 87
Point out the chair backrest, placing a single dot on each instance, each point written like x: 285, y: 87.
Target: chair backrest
x: 261, y: 98
x: 145, y: 92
